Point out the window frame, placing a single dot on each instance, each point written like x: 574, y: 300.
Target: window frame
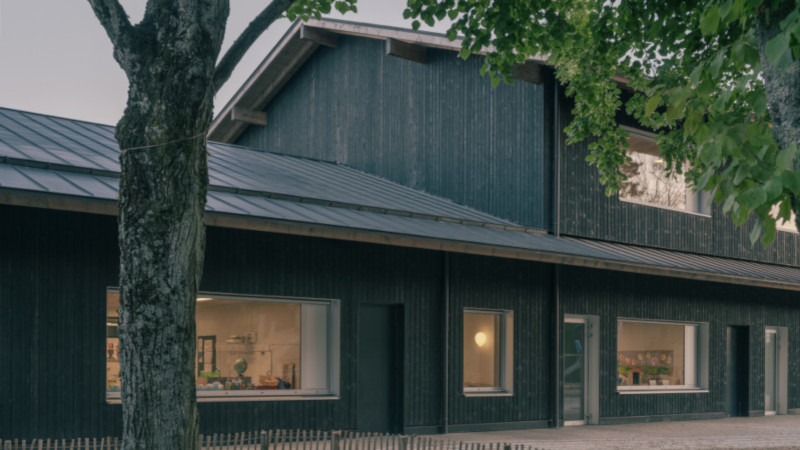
x: 332, y: 352
x: 697, y: 202
x: 505, y: 386
x: 698, y: 352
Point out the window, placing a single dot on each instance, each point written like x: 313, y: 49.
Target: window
x: 661, y: 355
x: 488, y: 351
x: 253, y: 347
x: 649, y: 183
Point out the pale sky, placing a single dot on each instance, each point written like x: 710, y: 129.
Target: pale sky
x: 56, y: 59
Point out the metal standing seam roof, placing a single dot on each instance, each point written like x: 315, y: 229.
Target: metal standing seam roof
x: 61, y: 158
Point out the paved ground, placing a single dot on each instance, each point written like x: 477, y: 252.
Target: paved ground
x: 737, y: 432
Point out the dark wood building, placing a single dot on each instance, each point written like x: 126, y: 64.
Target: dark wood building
x: 400, y: 248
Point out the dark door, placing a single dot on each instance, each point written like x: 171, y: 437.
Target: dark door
x: 738, y: 356
x: 380, y: 368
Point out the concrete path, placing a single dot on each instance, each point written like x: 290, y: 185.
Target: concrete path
x: 736, y: 432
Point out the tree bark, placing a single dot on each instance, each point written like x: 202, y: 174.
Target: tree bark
x: 781, y: 84
x: 169, y: 59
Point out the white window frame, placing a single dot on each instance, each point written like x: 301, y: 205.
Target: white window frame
x: 332, y: 353
x: 695, y: 359
x: 506, y: 387
x: 698, y: 203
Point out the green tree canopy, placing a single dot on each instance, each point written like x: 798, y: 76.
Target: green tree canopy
x: 717, y: 80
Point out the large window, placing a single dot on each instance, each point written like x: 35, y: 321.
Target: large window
x: 488, y: 351
x: 649, y: 183
x: 661, y: 355
x: 248, y: 347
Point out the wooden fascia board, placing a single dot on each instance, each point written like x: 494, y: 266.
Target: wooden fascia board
x: 108, y: 207
x: 59, y: 202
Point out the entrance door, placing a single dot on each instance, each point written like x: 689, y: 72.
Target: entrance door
x: 738, y: 355
x: 580, y: 402
x: 380, y: 368
x: 771, y: 372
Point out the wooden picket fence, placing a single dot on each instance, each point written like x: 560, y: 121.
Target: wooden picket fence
x: 281, y: 440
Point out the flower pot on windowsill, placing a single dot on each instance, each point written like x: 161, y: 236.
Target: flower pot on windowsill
x: 665, y: 382
x: 653, y: 382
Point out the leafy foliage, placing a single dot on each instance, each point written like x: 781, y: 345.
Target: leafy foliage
x: 695, y: 71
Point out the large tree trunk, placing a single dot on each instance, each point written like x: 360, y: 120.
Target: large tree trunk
x: 169, y: 58
x: 170, y: 61
x: 781, y: 84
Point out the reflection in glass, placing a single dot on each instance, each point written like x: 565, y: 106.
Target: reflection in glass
x: 574, y: 371
x: 648, y: 181
x: 770, y: 374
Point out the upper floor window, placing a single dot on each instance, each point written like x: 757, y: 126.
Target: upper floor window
x: 252, y: 347
x: 649, y: 183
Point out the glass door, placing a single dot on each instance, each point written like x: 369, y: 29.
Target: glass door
x: 771, y: 372
x: 574, y: 346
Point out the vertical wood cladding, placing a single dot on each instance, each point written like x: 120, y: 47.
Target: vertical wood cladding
x: 54, y: 269
x: 439, y: 127
x: 524, y: 288
x: 266, y: 264
x: 587, y: 212
x: 612, y: 295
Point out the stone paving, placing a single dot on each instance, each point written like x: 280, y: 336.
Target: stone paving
x: 782, y: 432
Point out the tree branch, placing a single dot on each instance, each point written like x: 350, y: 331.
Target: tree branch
x: 114, y: 19
x: 235, y: 53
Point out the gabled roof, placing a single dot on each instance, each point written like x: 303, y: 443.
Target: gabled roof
x: 294, y: 49
x: 65, y: 164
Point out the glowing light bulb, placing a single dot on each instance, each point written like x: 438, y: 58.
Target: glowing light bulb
x: 480, y: 338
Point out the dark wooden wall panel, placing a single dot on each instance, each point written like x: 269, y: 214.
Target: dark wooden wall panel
x: 612, y: 295
x: 587, y: 212
x: 525, y: 289
x: 439, y: 127
x: 54, y: 268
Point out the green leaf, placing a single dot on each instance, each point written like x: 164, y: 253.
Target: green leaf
x: 785, y: 157
x: 792, y: 181
x: 769, y: 231
x: 746, y: 53
x: 755, y: 233
x: 725, y: 9
x: 778, y: 50
x: 651, y: 105
x: 710, y: 20
x: 726, y: 207
x: 693, y: 121
x: 774, y: 187
x: 752, y: 198
x: 716, y: 63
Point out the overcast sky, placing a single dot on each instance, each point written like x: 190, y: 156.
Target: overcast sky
x: 56, y: 59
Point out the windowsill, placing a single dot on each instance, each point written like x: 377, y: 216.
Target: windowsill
x: 252, y: 398
x: 634, y: 202
x: 488, y: 394
x: 661, y: 390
